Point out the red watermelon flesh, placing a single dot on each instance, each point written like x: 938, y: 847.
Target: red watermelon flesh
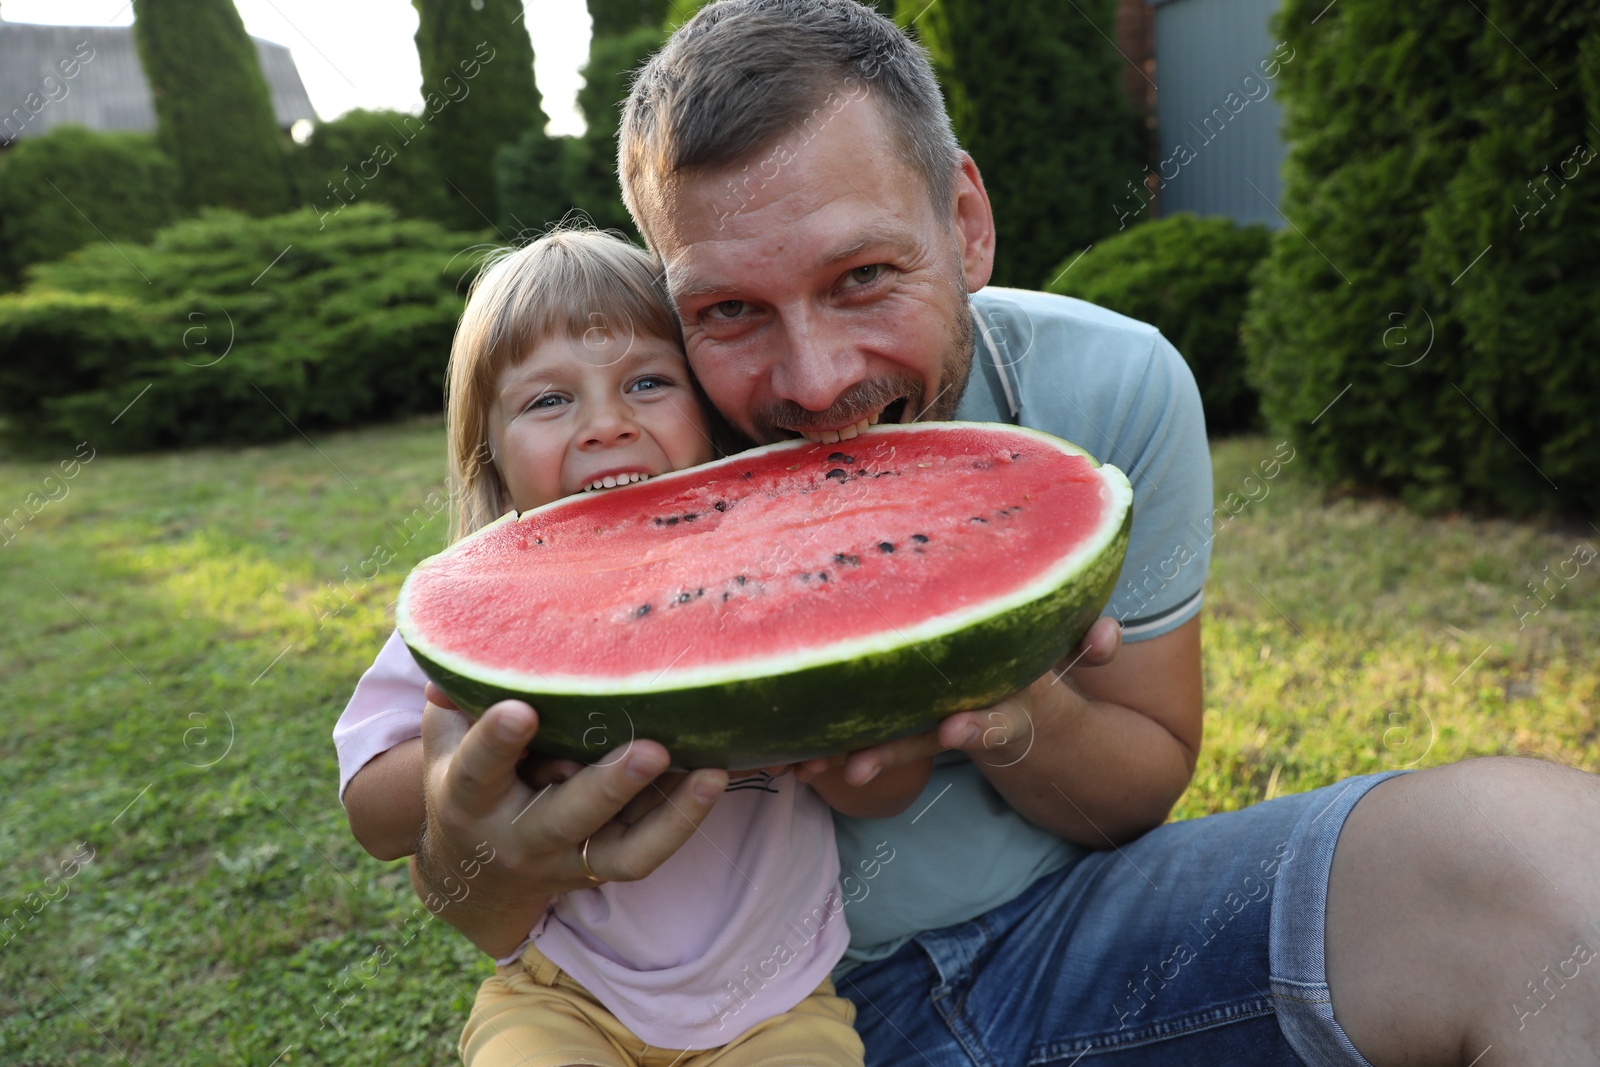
x: 879, y: 533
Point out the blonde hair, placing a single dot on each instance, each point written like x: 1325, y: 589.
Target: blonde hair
x: 566, y: 283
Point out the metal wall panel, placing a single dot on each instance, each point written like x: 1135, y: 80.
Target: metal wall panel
x: 1217, y: 112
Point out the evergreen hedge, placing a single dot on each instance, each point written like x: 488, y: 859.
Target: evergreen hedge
x: 212, y: 102
x: 1441, y: 287
x: 1189, y: 277
x: 1034, y: 93
x: 71, y: 186
x: 227, y: 328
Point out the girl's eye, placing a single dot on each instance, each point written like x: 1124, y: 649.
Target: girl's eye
x: 867, y: 274
x: 649, y: 383
x: 727, y: 309
x: 546, y: 401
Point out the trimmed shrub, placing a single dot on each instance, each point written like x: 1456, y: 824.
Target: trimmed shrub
x: 227, y: 328
x: 72, y: 186
x: 215, y: 111
x: 1428, y: 327
x: 1035, y: 97
x: 369, y: 156
x: 1190, y: 278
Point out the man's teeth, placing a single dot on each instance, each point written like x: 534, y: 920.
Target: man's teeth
x: 611, y: 481
x: 833, y: 437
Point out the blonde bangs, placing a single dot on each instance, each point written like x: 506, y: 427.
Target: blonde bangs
x: 565, y: 284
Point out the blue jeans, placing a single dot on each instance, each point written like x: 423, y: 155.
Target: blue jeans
x: 1199, y: 944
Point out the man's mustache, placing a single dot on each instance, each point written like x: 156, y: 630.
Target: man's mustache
x: 853, y: 405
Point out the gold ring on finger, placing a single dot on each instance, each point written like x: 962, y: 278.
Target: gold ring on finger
x: 583, y: 858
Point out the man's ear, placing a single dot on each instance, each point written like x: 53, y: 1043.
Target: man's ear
x: 972, y: 219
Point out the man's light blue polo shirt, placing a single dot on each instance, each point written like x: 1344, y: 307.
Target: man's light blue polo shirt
x: 1117, y: 388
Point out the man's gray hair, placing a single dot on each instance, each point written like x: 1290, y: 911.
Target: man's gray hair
x: 743, y: 74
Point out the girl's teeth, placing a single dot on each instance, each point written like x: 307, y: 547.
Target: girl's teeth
x: 611, y: 481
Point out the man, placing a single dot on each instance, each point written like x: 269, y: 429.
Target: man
x: 791, y: 162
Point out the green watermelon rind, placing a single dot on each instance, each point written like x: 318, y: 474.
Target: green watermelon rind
x: 973, y: 659
x: 892, y: 693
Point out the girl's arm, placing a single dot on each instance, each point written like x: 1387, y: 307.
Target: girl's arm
x: 384, y: 802
x: 890, y: 793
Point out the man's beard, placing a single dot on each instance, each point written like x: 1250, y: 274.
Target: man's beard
x: 783, y: 418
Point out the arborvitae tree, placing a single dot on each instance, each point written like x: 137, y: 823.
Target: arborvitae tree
x: 1034, y: 93
x: 478, y: 93
x: 1428, y: 325
x: 212, y: 103
x: 613, y: 18
x: 541, y: 180
x: 592, y: 159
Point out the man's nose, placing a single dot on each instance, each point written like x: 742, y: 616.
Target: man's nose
x: 818, y: 362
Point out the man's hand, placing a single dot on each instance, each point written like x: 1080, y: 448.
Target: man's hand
x: 475, y: 798
x: 1001, y: 733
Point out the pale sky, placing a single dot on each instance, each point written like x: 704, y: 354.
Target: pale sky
x: 360, y: 53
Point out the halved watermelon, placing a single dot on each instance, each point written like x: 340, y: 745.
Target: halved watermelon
x: 791, y: 601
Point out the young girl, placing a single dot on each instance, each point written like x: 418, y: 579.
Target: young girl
x: 568, y: 375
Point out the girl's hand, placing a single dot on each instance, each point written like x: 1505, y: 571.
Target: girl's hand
x: 496, y: 850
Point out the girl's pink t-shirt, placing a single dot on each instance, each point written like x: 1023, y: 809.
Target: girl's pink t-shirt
x: 740, y: 924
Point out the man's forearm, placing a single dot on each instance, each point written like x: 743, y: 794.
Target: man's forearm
x: 449, y: 889
x: 1097, y: 773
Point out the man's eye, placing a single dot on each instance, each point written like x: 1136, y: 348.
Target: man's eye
x: 727, y: 309
x: 867, y: 274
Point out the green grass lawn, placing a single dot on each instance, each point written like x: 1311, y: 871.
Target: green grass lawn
x: 175, y: 670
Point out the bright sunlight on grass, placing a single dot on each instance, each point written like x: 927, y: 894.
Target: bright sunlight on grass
x: 182, y: 630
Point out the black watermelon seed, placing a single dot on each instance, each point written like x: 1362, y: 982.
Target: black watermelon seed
x: 846, y: 559
x: 698, y: 593
x: 691, y: 516
x: 741, y: 579
x: 725, y: 597
x: 749, y: 474
x: 805, y: 576
x: 1016, y: 455
x: 837, y: 472
x: 673, y: 521
x: 885, y: 546
x: 642, y: 611
x: 979, y: 518
x: 721, y: 505
x: 920, y: 539
x: 685, y: 597
x: 840, y: 457
x: 659, y: 521
x: 823, y: 575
